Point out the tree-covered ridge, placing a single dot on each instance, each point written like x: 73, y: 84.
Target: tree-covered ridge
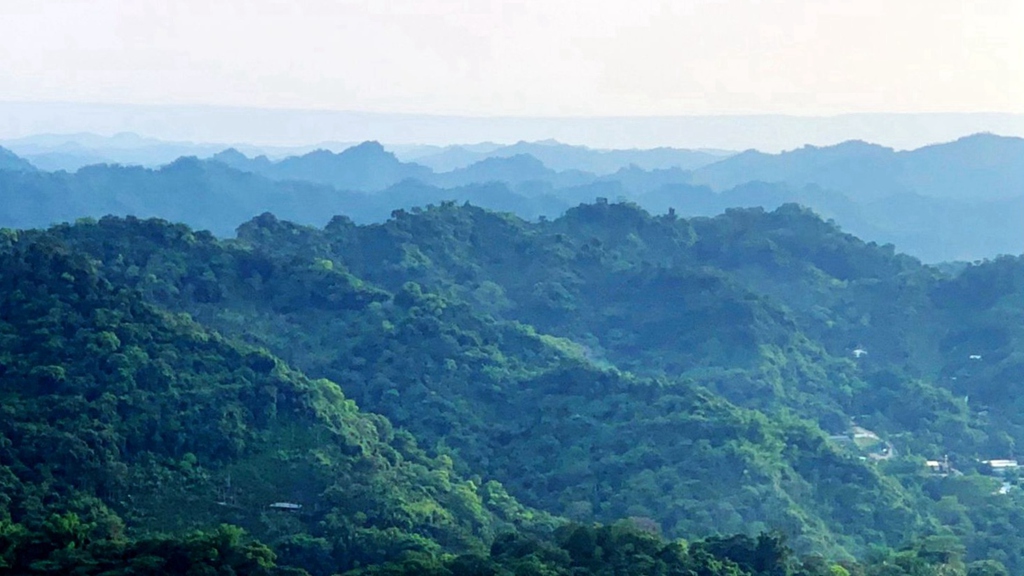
x: 929, y: 360
x: 534, y: 412
x: 138, y: 420
x: 66, y: 545
x: 627, y: 284
x: 63, y: 546
x: 626, y: 548
x: 510, y: 348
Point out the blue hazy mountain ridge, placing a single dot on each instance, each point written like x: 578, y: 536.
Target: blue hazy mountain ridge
x: 70, y: 152
x: 365, y: 167
x: 559, y: 156
x: 946, y: 201
x: 954, y: 201
x: 11, y: 161
x: 207, y: 195
x: 517, y: 170
x: 68, y: 161
x: 369, y: 167
x: 445, y: 158
x: 228, y: 124
x: 236, y: 159
x: 978, y: 167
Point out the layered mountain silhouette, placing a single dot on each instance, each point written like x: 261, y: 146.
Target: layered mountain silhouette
x: 953, y: 201
x: 364, y: 167
x: 975, y: 168
x: 559, y: 156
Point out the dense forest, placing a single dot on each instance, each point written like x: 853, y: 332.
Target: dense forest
x: 461, y: 391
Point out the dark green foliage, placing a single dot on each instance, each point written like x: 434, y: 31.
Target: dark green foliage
x: 64, y: 546
x: 531, y: 411
x: 696, y: 375
x: 139, y: 420
x: 624, y: 549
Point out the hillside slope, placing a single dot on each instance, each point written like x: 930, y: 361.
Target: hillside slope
x: 564, y: 430
x: 138, y: 420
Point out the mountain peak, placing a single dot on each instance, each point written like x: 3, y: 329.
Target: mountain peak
x: 981, y: 144
x: 847, y: 147
x: 184, y: 163
x: 368, y: 148
x: 11, y: 161
x: 229, y: 155
x: 518, y: 161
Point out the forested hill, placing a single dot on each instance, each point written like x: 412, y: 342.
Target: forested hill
x: 751, y: 371
x: 563, y: 432
x: 119, y: 419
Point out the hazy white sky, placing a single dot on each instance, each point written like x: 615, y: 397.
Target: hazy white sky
x: 533, y: 57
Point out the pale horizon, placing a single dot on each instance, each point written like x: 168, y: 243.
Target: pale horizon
x: 297, y: 128
x: 727, y: 74
x: 552, y: 58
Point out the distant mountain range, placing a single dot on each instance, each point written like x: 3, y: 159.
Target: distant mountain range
x: 955, y: 201
x: 291, y: 127
x: 558, y: 156
x: 364, y: 167
x: 369, y: 167
x: 979, y: 167
x: 72, y: 151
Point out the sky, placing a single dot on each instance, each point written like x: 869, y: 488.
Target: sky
x: 523, y: 58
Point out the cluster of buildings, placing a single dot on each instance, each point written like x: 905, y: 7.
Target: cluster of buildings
x: 998, y: 466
